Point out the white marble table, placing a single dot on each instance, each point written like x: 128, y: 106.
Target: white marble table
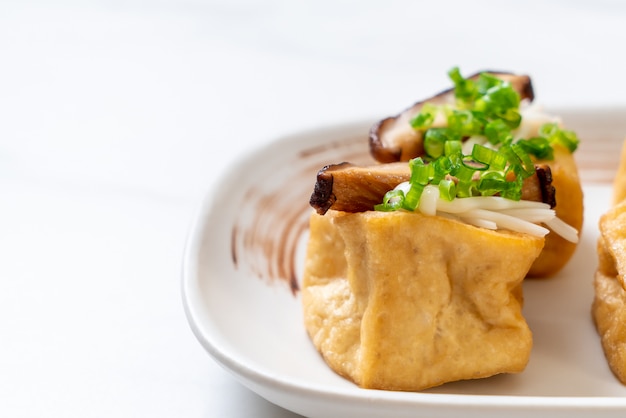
x: 116, y: 116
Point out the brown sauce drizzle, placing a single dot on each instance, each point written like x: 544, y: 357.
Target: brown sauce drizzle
x: 268, y: 231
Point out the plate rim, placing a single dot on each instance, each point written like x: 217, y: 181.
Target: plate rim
x: 252, y: 376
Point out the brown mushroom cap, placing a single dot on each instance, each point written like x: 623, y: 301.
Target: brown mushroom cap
x: 393, y: 139
x: 351, y: 188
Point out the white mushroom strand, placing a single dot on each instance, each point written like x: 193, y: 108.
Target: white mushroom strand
x: 494, y: 212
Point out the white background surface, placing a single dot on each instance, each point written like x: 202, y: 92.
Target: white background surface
x: 116, y: 116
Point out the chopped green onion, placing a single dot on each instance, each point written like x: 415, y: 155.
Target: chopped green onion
x: 434, y: 141
x: 447, y: 190
x: 569, y: 139
x: 494, y: 159
x: 538, y: 146
x: 513, y: 190
x: 498, y: 132
x: 498, y: 175
x: 487, y: 81
x: 527, y: 164
x: 556, y: 135
x: 465, y: 90
x: 452, y: 147
x: 422, y: 121
x: 420, y: 172
x: 463, y: 173
x: 425, y: 118
x: 466, y: 123
x: 412, y: 197
x: 441, y: 168
x: 455, y: 75
x: 486, y: 107
x: 475, y: 165
x: 393, y: 200
x: 519, y: 161
x: 494, y: 183
x: 464, y: 189
x: 548, y: 130
x: 512, y: 117
x: 489, y: 186
x: 501, y: 102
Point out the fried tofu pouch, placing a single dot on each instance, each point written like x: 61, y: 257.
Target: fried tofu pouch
x: 619, y: 183
x: 609, y: 304
x: 404, y: 301
x: 569, y: 208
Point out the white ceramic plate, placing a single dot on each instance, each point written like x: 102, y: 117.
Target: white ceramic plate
x: 243, y: 262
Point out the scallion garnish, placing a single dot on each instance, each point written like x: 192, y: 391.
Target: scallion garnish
x: 447, y: 189
x: 487, y: 107
x: 486, y: 116
x: 464, y: 123
x: 498, y: 132
x: 464, y: 90
x: 496, y: 160
x: 475, y: 165
x: 434, y: 141
x: 556, y: 135
x: 426, y: 117
x: 538, y: 146
x: 452, y: 148
x: 519, y: 161
x: 393, y: 200
x: 421, y: 173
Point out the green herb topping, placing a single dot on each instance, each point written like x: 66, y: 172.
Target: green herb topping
x: 486, y: 114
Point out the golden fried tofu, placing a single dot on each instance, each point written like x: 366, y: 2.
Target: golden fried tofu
x: 569, y: 208
x: 404, y: 301
x: 619, y: 184
x: 609, y: 305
